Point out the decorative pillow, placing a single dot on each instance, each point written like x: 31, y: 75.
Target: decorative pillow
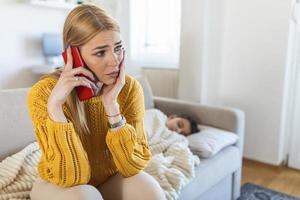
x: 209, y: 141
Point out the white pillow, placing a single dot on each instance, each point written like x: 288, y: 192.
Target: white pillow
x: 209, y: 141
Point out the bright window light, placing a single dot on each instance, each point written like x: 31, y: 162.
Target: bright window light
x: 155, y: 32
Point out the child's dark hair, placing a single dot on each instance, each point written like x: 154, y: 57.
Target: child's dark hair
x: 193, y: 123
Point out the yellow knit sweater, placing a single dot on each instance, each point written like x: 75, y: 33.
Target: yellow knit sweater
x: 68, y: 159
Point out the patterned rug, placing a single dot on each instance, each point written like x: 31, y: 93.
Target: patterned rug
x: 255, y: 192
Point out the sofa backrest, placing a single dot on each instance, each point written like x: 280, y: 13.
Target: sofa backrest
x: 16, y: 130
x: 148, y: 96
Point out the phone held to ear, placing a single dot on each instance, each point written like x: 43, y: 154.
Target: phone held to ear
x: 83, y: 92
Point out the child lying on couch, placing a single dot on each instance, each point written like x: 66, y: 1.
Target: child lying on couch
x: 172, y: 162
x: 181, y: 124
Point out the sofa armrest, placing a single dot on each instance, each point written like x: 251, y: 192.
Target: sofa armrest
x: 225, y: 118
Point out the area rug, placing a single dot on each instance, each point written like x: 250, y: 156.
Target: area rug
x: 254, y: 192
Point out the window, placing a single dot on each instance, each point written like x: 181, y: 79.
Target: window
x: 155, y: 32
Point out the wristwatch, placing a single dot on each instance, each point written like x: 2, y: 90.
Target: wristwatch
x: 118, y: 124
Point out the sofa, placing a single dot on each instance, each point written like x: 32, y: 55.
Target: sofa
x: 217, y: 177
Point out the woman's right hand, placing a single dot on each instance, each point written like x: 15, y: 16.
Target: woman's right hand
x: 68, y: 81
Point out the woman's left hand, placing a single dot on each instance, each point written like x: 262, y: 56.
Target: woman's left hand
x: 111, y: 92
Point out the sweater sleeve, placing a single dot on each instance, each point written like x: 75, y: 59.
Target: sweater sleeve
x: 128, y: 145
x: 64, y: 161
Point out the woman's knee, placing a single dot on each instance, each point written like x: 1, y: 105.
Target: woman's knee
x: 82, y: 192
x: 37, y: 189
x: 143, y: 186
x: 45, y: 190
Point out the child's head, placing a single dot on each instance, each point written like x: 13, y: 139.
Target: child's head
x: 183, y: 125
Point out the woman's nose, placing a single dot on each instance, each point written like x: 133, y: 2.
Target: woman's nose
x: 113, y: 60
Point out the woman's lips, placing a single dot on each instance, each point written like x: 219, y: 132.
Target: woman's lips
x: 114, y: 74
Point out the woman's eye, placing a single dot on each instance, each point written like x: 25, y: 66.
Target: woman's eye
x: 100, y: 53
x: 118, y: 48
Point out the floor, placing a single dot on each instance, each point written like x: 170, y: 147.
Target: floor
x: 278, y: 178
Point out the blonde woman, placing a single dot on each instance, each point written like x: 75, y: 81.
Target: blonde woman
x: 95, y: 149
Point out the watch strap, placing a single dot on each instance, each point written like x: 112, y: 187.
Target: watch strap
x: 118, y: 124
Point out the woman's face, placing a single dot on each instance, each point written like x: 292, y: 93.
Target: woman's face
x: 102, y: 55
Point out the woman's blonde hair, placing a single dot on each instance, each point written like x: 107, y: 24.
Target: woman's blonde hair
x: 82, y: 24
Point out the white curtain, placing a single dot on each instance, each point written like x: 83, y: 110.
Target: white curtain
x: 292, y: 97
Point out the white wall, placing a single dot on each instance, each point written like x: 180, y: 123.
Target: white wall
x: 201, y: 50
x: 241, y: 51
x: 192, y: 49
x: 253, y: 60
x: 21, y: 28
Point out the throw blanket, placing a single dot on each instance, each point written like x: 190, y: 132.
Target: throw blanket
x: 172, y: 163
x: 18, y: 173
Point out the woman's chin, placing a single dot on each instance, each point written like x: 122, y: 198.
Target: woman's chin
x: 110, y: 80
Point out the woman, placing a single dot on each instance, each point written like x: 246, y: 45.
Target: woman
x: 95, y: 149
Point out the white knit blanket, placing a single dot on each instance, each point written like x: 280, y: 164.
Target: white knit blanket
x: 18, y: 173
x: 172, y: 163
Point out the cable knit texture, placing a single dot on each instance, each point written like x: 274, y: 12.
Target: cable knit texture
x: 68, y: 159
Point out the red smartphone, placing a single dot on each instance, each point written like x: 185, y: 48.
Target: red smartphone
x: 83, y: 92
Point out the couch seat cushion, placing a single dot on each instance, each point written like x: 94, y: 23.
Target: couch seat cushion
x: 211, y: 171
